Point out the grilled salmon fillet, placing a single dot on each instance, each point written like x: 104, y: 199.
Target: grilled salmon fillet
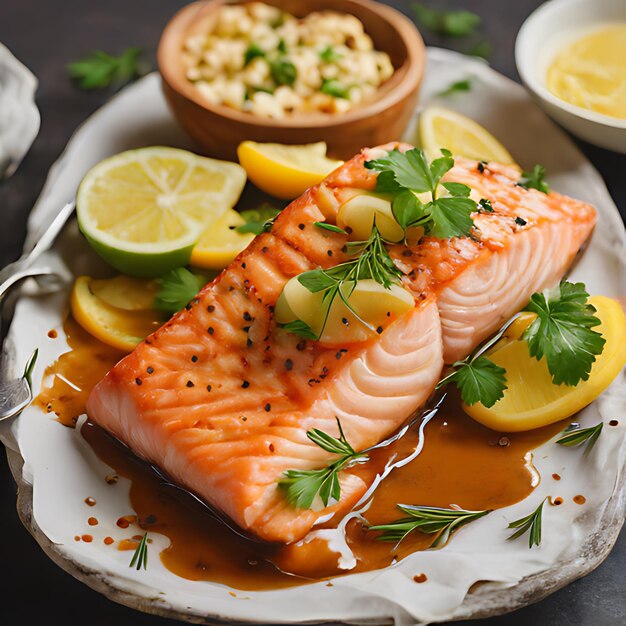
x: 220, y: 398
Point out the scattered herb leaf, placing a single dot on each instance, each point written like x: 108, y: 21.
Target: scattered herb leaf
x: 99, y: 69
x: 253, y: 52
x: 256, y: 219
x: 300, y: 328
x: 331, y: 227
x: 140, y: 556
x: 177, y: 288
x: 456, y: 87
x: 283, y: 71
x: 535, y: 179
x: 330, y: 55
x: 456, y: 23
x: 562, y: 332
x: 482, y: 49
x: 485, y: 206
x: 576, y: 436
x: 302, y: 486
x: 335, y: 88
x: 531, y: 524
x: 429, y: 520
x: 478, y: 379
x: 28, y: 369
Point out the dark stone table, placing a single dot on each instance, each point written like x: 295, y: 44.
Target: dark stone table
x: 48, y: 34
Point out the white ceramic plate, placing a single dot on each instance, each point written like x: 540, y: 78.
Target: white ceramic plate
x: 62, y: 470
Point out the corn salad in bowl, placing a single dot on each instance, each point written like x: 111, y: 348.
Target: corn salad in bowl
x: 260, y: 59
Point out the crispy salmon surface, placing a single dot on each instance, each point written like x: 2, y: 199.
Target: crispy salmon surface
x: 220, y: 398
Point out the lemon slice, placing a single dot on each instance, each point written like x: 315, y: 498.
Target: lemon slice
x: 285, y: 171
x: 442, y: 128
x: 531, y: 400
x: 143, y: 210
x: 221, y: 242
x: 121, y: 328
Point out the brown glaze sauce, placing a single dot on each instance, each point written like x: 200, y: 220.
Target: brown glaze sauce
x: 462, y: 463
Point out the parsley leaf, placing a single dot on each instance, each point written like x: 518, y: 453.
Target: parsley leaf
x: 450, y: 23
x: 283, y: 71
x: 404, y: 174
x: 177, y: 288
x: 562, y: 332
x: 478, y: 380
x: 256, y: 219
x: 456, y: 87
x: 535, y: 179
x: 99, y: 69
x: 300, y: 328
x: 335, y: 88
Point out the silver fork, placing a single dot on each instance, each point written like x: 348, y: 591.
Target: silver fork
x: 16, y: 393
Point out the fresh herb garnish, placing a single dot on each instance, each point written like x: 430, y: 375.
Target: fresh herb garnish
x: 140, y: 557
x: 256, y: 219
x: 282, y: 46
x: 481, y: 49
x: 456, y: 87
x: 429, y: 520
x: 283, y: 71
x: 331, y: 227
x: 177, y: 288
x: 330, y: 55
x: 562, y: 332
x: 253, y: 51
x: 485, y: 206
x: 535, y: 179
x: 404, y: 174
x: 302, y: 486
x: 372, y: 261
x: 451, y: 23
x: 531, y: 524
x: 520, y: 221
x: 478, y: 379
x: 335, y: 88
x: 300, y: 328
x: 29, y: 367
x: 577, y: 436
x: 99, y: 69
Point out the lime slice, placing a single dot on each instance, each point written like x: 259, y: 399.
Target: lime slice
x: 143, y: 210
x: 442, y: 128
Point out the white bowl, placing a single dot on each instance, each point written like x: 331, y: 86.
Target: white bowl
x: 541, y: 37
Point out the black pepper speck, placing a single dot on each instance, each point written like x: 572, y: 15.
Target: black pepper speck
x: 194, y: 359
x: 268, y: 407
x: 288, y: 365
x: 247, y: 317
x: 150, y: 370
x: 301, y: 226
x: 138, y: 381
x: 211, y: 330
x: 245, y: 384
x: 189, y: 383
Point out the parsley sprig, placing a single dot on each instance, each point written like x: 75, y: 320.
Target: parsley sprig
x: 535, y: 179
x: 562, y: 332
x: 530, y: 524
x: 303, y: 486
x: 455, y: 23
x: 257, y: 219
x: 429, y: 520
x: 456, y: 87
x: 575, y: 436
x: 99, y: 69
x: 176, y: 289
x: 371, y: 261
x: 405, y: 174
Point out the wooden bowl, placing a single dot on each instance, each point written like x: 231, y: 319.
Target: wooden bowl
x: 219, y: 129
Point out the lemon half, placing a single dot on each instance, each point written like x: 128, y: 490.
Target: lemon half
x: 143, y: 210
x: 532, y: 400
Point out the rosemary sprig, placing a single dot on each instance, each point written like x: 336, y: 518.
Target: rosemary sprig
x: 531, y: 524
x: 577, y: 436
x: 28, y: 369
x: 302, y: 486
x: 371, y: 261
x: 429, y: 520
x: 140, y: 557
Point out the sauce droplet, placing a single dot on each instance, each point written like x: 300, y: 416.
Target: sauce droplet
x: 53, y: 334
x: 87, y: 538
x: 127, y: 544
x: 580, y: 499
x: 556, y: 501
x: 92, y: 521
x: 77, y: 538
x: 111, y: 479
x: 126, y: 520
x: 90, y: 501
x: 613, y: 423
x: 108, y: 540
x: 556, y: 477
x: 420, y: 578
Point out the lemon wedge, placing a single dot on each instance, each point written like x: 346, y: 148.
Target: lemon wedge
x: 531, y: 400
x: 285, y: 171
x: 441, y: 128
x: 221, y: 242
x: 144, y: 210
x: 122, y: 326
